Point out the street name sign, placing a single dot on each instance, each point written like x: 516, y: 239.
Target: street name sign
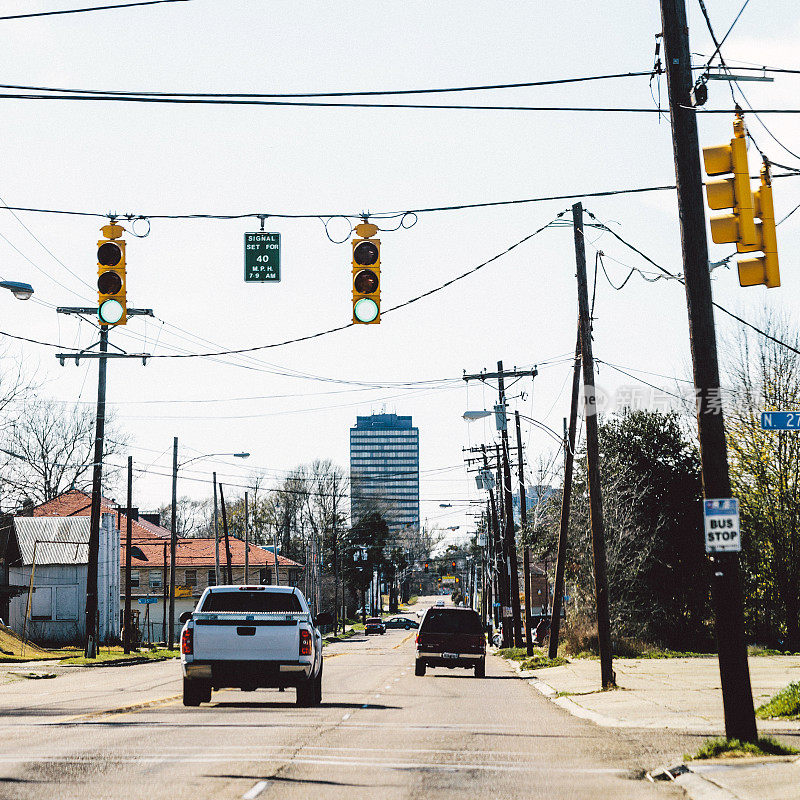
x: 262, y: 257
x: 146, y: 601
x: 721, y: 519
x: 780, y: 420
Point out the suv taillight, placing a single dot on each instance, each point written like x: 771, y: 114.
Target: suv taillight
x: 186, y: 642
x: 305, y: 643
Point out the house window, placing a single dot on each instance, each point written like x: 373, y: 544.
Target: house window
x: 134, y: 577
x: 155, y: 578
x: 265, y: 576
x: 42, y: 603
x: 212, y: 577
x: 294, y: 577
x: 190, y: 577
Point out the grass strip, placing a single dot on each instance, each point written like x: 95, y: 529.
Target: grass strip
x: 734, y: 748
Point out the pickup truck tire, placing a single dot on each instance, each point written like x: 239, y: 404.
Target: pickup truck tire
x: 195, y: 692
x: 419, y: 667
x: 306, y: 694
x: 480, y: 669
x: 318, y: 688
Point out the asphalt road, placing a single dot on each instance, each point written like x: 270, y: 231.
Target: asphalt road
x: 122, y: 732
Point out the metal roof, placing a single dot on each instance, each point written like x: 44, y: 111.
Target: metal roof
x: 55, y: 539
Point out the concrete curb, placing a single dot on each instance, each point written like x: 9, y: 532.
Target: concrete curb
x: 696, y: 785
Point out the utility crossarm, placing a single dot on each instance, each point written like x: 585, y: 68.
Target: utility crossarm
x: 506, y: 373
x: 132, y: 312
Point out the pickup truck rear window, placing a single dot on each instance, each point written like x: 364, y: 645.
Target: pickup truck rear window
x: 448, y: 620
x: 254, y: 602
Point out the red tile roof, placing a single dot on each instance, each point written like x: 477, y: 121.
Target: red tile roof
x: 200, y: 553
x: 190, y: 552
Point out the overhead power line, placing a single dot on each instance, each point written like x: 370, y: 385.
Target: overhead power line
x: 364, y: 93
x: 418, y: 106
x: 91, y: 8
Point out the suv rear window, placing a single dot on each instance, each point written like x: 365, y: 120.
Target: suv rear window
x: 451, y: 620
x: 254, y: 602
x: 373, y: 620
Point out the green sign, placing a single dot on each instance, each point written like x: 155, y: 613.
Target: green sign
x: 262, y: 257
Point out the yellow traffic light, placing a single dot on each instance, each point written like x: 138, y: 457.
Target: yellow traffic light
x: 112, y: 308
x: 762, y: 269
x: 366, y: 275
x: 734, y: 192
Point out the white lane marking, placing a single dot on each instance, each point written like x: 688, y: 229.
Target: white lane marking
x: 255, y: 791
x: 377, y: 695
x: 388, y: 686
x: 346, y: 716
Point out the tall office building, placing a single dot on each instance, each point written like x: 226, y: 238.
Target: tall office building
x: 384, y: 470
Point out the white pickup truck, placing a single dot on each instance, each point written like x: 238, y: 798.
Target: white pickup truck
x: 250, y: 637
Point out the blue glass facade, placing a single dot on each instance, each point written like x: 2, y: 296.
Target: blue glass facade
x: 384, y: 469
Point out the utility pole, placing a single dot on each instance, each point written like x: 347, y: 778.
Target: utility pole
x: 593, y: 457
x: 526, y: 555
x: 216, y: 534
x: 91, y: 634
x: 513, y: 569
x: 566, y: 499
x: 173, y: 543
x: 737, y: 695
x: 164, y: 580
x: 225, y: 534
x: 246, y: 544
x: 510, y: 547
x: 126, y: 642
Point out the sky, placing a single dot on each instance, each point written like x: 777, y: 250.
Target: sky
x: 291, y: 404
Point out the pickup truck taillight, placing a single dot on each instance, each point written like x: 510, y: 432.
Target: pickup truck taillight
x: 305, y: 643
x: 478, y: 641
x: 186, y: 642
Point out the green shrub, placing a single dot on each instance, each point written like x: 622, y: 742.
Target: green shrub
x: 784, y: 704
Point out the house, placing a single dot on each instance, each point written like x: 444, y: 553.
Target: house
x: 49, y: 557
x: 195, y: 569
x: 150, y: 545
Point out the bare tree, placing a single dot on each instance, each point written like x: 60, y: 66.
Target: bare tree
x: 48, y: 448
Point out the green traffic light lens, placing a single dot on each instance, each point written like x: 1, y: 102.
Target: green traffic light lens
x: 109, y: 282
x: 365, y: 310
x: 110, y: 312
x: 366, y: 254
x: 365, y: 282
x: 109, y: 254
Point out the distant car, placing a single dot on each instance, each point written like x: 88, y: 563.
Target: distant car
x: 374, y: 625
x: 401, y: 622
x: 451, y: 637
x: 439, y: 603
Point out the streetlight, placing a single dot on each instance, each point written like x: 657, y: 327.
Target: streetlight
x: 174, y: 529
x: 22, y: 291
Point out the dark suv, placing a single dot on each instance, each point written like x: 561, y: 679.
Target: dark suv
x: 451, y: 637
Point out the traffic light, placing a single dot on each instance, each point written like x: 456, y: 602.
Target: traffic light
x: 426, y: 568
x: 740, y: 226
x: 762, y: 269
x: 734, y: 192
x: 112, y: 307
x: 366, y: 275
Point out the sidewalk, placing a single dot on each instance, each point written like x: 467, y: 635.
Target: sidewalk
x: 684, y: 694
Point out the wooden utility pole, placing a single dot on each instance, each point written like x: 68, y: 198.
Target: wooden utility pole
x: 593, y: 457
x: 225, y: 534
x: 164, y: 585
x: 216, y: 534
x: 526, y: 555
x: 246, y: 543
x: 737, y: 695
x: 566, y: 498
x: 92, y: 632
x: 173, y: 543
x: 126, y: 620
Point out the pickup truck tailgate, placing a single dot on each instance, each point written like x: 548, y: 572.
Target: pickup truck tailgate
x: 251, y: 637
